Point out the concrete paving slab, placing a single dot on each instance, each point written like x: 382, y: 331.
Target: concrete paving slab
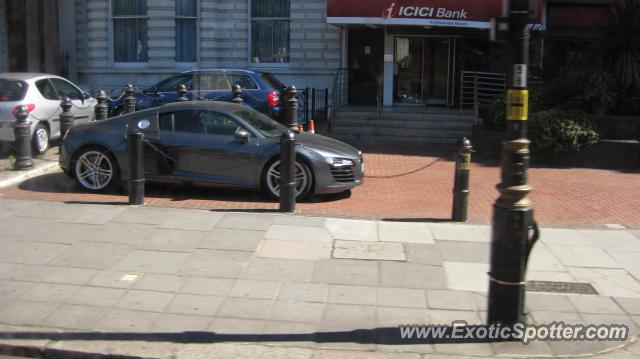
x: 121, y: 233
x: 307, y: 292
x: 451, y: 300
x: 404, y: 232
x: 447, y: 317
x: 246, y: 308
x: 237, y: 326
x: 294, y: 250
x: 144, y: 215
x: 91, y: 255
x: 21, y: 227
x: 216, y: 263
x: 513, y: 349
x: 608, y: 282
x: 47, y: 292
x: 295, y: 311
x: 384, y: 251
x: 26, y: 312
x: 280, y: 269
x: 258, y: 289
x: 246, y: 221
x: 168, y: 240
x: 401, y: 297
x: 628, y: 261
x: 67, y: 233
x: 144, y: 300
x: 611, y: 319
x: 140, y: 261
x: 349, y: 317
x: 46, y: 210
x: 123, y: 320
x: 305, y: 221
x: 563, y: 237
x: 595, y: 304
x: 423, y: 254
x: 177, y: 323
x: 30, y: 252
x: 459, y: 251
x: 411, y: 275
x: 298, y: 233
x: 27, y: 272
x: 345, y: 271
x: 389, y: 317
x: 583, y: 256
x: 630, y: 305
x: 207, y: 286
x: 115, y: 279
x: 98, y: 297
x: 10, y: 289
x: 9, y: 207
x: 160, y: 282
x: 75, y: 317
x: 608, y: 239
x: 232, y: 239
x: 352, y: 230
x: 467, y: 276
x: 91, y: 214
x: 351, y: 294
x: 548, y: 302
x: 460, y: 232
x: 192, y: 220
x: 465, y: 349
x: 550, y: 276
x: 192, y: 304
x: 542, y: 259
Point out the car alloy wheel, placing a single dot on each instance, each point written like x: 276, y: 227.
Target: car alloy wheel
x: 40, y: 139
x: 303, y: 179
x: 94, y: 170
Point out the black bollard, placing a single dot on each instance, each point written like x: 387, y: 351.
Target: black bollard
x: 102, y: 109
x: 292, y: 107
x: 182, y: 93
x: 66, y: 117
x: 129, y: 100
x: 461, y: 184
x: 287, y: 172
x: 22, y: 134
x: 136, y: 168
x: 236, y: 90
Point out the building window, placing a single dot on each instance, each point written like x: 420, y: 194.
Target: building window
x: 129, y: 30
x: 270, y: 31
x: 186, y: 30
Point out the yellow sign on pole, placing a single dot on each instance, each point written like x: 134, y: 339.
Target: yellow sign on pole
x: 517, y: 105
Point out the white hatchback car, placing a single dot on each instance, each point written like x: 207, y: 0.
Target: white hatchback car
x: 41, y: 93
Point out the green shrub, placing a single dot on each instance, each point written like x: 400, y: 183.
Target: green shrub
x: 584, y: 88
x: 555, y: 132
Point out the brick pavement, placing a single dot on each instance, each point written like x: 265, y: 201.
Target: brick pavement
x: 561, y: 196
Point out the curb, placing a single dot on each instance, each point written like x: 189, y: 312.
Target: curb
x: 20, y: 351
x: 22, y: 176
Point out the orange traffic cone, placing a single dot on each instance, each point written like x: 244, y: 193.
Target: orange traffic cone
x: 312, y: 126
x: 300, y: 128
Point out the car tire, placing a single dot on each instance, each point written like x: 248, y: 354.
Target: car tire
x: 271, y: 181
x: 95, y: 169
x: 40, y: 140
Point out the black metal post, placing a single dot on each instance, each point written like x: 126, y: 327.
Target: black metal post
x: 307, y: 92
x: 292, y: 107
x: 136, y: 168
x: 512, y: 211
x: 287, y: 172
x: 102, y: 109
x: 313, y: 105
x: 129, y: 100
x: 66, y: 117
x: 182, y: 93
x: 22, y: 135
x: 236, y: 91
x: 461, y: 183
x: 326, y: 105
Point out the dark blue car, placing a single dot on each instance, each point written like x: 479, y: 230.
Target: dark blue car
x: 260, y: 90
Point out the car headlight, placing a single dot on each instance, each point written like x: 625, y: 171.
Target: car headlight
x: 340, y: 162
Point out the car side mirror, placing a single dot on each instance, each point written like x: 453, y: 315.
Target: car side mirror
x: 242, y: 135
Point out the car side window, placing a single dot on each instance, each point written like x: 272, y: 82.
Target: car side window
x: 211, y: 82
x: 171, y: 84
x: 216, y: 123
x: 47, y: 90
x: 191, y: 121
x: 245, y: 81
x: 66, y: 89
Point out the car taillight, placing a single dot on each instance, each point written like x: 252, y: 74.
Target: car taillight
x: 273, y: 98
x: 30, y: 107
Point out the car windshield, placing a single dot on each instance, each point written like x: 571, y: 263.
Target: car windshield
x: 12, y: 90
x: 263, y: 124
x: 272, y: 80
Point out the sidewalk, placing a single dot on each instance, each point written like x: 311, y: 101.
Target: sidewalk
x: 136, y: 281
x: 43, y: 164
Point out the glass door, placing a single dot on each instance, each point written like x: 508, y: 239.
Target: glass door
x: 423, y: 71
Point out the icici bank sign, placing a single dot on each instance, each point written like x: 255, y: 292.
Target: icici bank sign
x: 457, y: 13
